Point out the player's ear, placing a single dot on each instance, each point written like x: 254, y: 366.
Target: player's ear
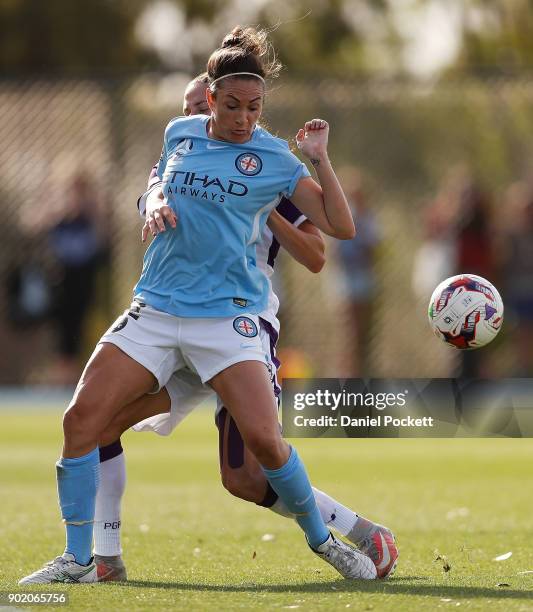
x: 211, y: 100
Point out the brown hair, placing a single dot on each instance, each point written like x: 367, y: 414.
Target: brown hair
x: 201, y: 78
x: 243, y: 50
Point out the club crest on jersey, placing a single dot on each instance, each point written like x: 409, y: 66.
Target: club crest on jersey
x: 245, y: 327
x: 249, y: 164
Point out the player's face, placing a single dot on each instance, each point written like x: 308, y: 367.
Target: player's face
x: 194, y: 100
x: 235, y: 109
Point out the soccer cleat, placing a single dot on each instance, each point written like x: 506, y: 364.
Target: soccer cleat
x: 380, y: 546
x: 110, y: 569
x: 347, y: 560
x: 63, y: 569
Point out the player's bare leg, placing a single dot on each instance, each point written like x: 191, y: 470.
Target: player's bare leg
x: 243, y: 477
x: 142, y: 408
x: 281, y: 465
x: 111, y: 380
x: 241, y: 473
x: 97, y: 399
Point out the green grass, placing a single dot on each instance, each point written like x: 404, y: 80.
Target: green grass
x: 189, y: 545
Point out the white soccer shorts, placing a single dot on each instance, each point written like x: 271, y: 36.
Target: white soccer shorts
x: 164, y: 343
x: 186, y: 390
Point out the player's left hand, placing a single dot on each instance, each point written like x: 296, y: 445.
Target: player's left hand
x: 312, y: 140
x: 155, y: 220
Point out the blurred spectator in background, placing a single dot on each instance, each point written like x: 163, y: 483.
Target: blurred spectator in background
x: 517, y: 273
x: 475, y: 255
x: 26, y: 274
x: 77, y: 243
x: 459, y: 238
x: 28, y: 284
x: 435, y: 258
x: 357, y: 257
x: 474, y: 233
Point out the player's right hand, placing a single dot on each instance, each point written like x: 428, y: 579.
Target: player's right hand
x: 312, y: 140
x: 155, y: 220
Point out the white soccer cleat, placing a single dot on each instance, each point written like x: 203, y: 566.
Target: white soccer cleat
x: 63, y: 569
x: 346, y: 559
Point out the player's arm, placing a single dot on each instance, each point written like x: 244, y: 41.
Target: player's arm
x: 155, y: 206
x: 325, y: 203
x: 153, y: 189
x: 157, y: 212
x: 304, y: 243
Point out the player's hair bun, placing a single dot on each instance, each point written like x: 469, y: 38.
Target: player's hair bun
x: 249, y: 39
x: 243, y: 50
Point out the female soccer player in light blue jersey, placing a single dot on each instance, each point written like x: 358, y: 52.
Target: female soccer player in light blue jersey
x: 198, y: 299
x: 162, y: 412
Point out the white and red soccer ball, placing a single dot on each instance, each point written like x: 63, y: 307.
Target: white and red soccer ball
x: 466, y: 311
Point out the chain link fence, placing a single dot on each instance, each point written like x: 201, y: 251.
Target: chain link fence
x: 405, y: 149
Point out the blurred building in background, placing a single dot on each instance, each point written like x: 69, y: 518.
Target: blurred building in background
x: 431, y: 102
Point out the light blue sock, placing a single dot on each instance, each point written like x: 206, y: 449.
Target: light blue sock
x: 77, y: 484
x: 292, y: 485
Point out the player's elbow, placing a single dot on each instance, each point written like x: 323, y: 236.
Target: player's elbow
x: 316, y: 264
x: 345, y: 233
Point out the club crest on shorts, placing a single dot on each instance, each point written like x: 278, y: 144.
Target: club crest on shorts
x: 249, y: 164
x: 245, y: 327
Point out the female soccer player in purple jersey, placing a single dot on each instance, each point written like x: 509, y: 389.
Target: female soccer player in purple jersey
x: 241, y: 474
x: 237, y: 73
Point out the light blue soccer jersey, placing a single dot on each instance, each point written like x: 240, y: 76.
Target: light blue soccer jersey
x: 222, y: 194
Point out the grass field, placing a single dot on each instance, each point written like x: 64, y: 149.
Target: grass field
x: 189, y: 545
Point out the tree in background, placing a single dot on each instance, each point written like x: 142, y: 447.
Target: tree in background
x: 339, y: 38
x: 69, y: 37
x: 116, y: 36
x: 344, y: 38
x: 496, y: 37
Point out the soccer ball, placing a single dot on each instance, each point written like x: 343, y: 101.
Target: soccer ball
x: 466, y: 311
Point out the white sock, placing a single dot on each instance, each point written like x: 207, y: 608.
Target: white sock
x: 333, y: 513
x: 108, y: 502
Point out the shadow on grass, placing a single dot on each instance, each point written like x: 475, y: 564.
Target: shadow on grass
x: 397, y: 586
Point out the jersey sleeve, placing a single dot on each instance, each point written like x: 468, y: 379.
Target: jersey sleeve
x: 153, y: 182
x: 153, y: 179
x: 289, y: 211
x: 142, y: 201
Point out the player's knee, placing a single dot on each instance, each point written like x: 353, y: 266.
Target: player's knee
x: 77, y: 421
x: 72, y: 424
x: 233, y: 484
x: 242, y: 485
